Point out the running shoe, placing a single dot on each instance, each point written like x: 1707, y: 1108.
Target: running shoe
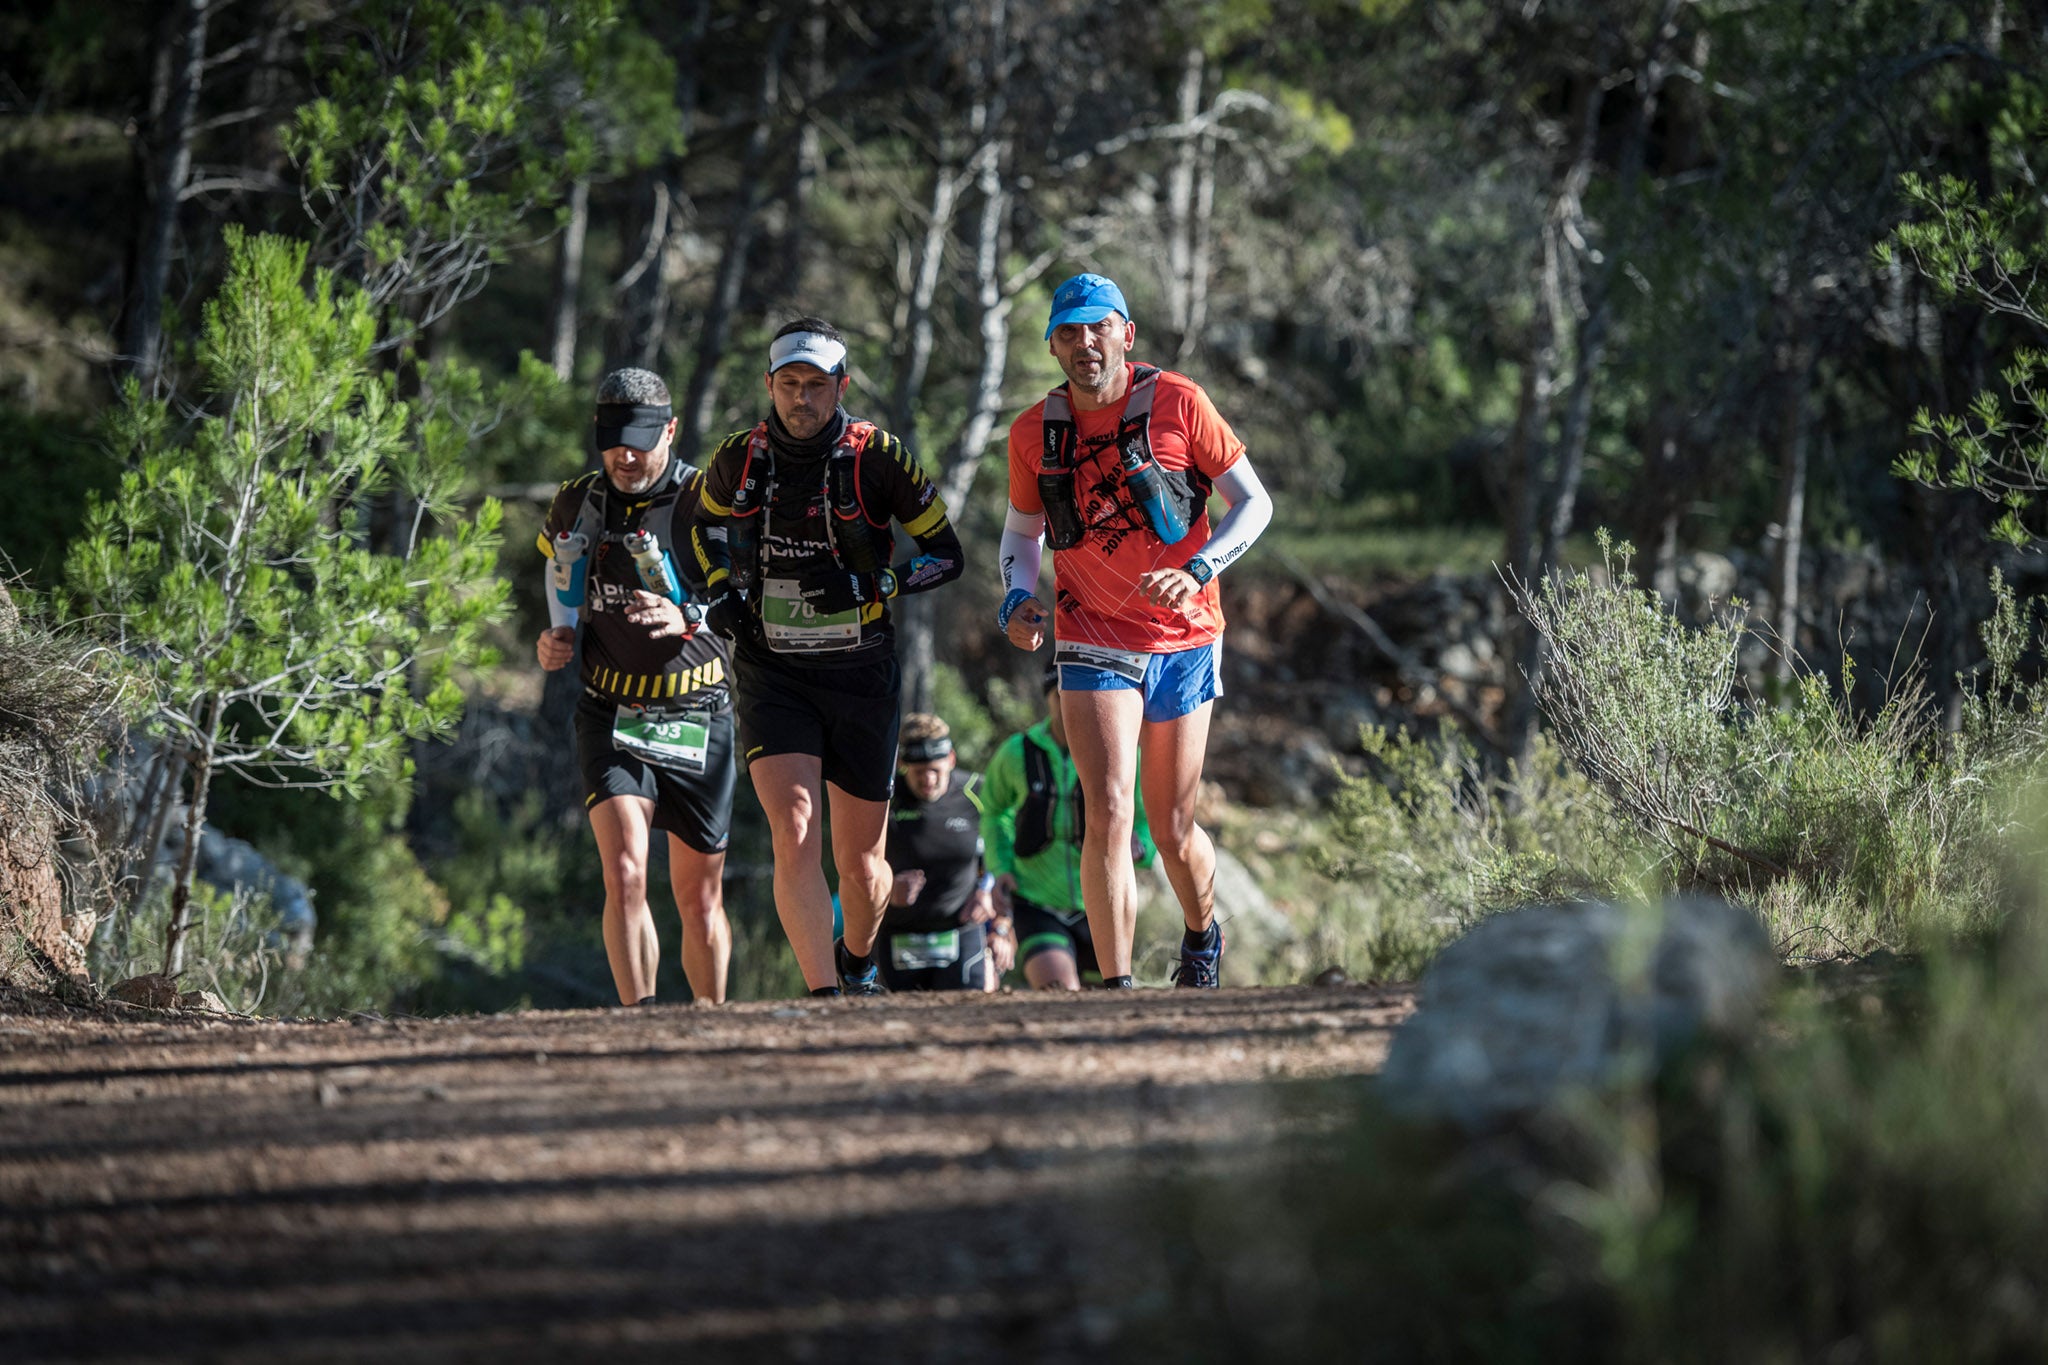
x: 1200, y: 967
x: 855, y: 979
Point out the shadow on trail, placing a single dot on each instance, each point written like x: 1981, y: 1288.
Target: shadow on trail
x: 998, y: 1282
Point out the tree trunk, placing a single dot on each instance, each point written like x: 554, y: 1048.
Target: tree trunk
x: 1554, y: 522
x: 640, y: 319
x: 807, y: 166
x: 195, y: 825
x: 917, y: 626
x: 145, y: 834
x: 702, y: 400
x: 1795, y: 376
x: 171, y: 148
x: 1198, y: 265
x: 569, y: 280
x: 1180, y: 209
x: 1525, y: 482
x: 917, y: 330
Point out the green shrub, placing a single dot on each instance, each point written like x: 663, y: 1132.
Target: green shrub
x: 1430, y: 841
x: 1872, y: 830
x: 1862, y: 1179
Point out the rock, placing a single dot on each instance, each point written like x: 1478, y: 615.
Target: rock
x: 1705, y: 579
x: 234, y: 866
x: 1330, y: 977
x: 204, y: 1001
x: 152, y: 989
x: 1459, y: 660
x: 1344, y: 714
x: 1538, y: 1002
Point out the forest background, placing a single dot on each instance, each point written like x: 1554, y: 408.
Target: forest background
x: 1748, y: 284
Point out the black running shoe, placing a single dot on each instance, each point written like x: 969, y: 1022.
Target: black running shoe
x: 1200, y: 967
x: 855, y: 979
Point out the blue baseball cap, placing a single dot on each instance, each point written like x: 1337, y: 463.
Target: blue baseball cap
x: 1086, y: 298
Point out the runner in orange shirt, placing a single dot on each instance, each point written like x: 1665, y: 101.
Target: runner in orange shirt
x: 1115, y: 468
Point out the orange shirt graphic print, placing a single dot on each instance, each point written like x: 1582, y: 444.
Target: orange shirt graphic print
x: 1097, y: 601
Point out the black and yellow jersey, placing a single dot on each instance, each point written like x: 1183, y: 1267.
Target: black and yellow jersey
x: 621, y: 662
x: 779, y: 499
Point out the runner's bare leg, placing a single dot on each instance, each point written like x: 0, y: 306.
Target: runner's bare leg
x: 1102, y: 735
x: 790, y: 787
x: 1053, y: 970
x: 860, y: 831
x: 1171, y: 762
x: 698, y: 880
x: 621, y: 824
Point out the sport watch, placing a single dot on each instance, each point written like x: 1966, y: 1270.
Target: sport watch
x: 1199, y: 569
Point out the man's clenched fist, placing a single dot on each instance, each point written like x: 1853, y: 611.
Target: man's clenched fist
x: 556, y: 647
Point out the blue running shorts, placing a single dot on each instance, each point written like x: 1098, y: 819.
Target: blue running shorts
x: 1172, y: 684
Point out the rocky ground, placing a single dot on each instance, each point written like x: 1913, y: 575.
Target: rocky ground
x: 903, y: 1180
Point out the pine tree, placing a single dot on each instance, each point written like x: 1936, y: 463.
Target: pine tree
x: 234, y: 562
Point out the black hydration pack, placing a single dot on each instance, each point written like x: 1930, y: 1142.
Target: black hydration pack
x: 849, y: 530
x: 1165, y: 502
x: 1041, y: 800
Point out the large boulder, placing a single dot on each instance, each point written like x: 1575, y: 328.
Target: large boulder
x: 1538, y: 1003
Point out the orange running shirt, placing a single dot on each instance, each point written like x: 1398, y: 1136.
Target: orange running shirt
x: 1097, y: 601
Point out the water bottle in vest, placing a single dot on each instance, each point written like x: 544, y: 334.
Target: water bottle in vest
x: 1062, y: 513
x: 1148, y: 489
x: 657, y: 575
x: 568, y: 568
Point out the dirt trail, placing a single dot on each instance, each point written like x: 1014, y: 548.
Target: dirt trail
x: 899, y: 1180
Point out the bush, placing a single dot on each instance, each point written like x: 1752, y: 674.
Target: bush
x: 1431, y: 841
x: 1861, y: 1180
x: 1874, y: 831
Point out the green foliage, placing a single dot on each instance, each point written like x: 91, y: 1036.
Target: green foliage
x: 1988, y: 250
x: 1859, y: 1180
x: 1430, y: 841
x: 1872, y: 828
x: 235, y: 564
x: 442, y: 126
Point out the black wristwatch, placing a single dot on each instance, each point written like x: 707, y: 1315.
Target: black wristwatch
x: 1199, y: 569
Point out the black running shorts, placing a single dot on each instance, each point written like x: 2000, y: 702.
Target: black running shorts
x: 949, y: 960
x: 1039, y: 930
x: 695, y: 807
x: 845, y: 717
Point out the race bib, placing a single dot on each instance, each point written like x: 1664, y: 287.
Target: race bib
x: 915, y: 952
x: 1124, y: 663
x: 790, y: 626
x: 679, y: 739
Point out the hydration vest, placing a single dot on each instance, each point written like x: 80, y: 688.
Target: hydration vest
x: 658, y: 519
x: 849, y: 530
x: 1034, y: 833
x: 1166, y: 496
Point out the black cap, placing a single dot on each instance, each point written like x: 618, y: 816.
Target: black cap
x: 638, y: 425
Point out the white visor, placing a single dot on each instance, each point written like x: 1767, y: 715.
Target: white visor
x: 812, y: 349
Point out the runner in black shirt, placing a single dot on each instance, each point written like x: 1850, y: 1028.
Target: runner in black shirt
x: 654, y: 733
x: 940, y: 932
x: 793, y: 539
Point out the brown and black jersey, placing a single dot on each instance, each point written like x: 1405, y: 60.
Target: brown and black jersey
x: 621, y: 662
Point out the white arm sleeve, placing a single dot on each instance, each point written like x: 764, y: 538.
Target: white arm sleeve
x: 1021, y: 550
x: 1248, y: 508
x: 558, y: 615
